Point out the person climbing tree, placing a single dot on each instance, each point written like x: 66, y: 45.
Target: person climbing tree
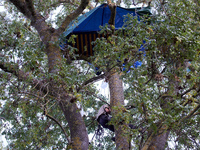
x: 104, y: 116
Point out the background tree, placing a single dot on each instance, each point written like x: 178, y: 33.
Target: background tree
x: 42, y: 93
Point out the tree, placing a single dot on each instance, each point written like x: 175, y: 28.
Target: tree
x: 45, y: 92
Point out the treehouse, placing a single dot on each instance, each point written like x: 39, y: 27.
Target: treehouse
x: 87, y: 26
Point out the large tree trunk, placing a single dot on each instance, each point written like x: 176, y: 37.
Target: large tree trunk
x: 49, y: 37
x: 79, y: 135
x: 117, y: 99
x: 78, y: 132
x: 157, y: 141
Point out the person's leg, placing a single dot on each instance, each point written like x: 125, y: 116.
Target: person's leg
x: 103, y: 120
x: 111, y: 128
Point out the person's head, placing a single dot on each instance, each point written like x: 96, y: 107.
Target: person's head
x: 107, y: 109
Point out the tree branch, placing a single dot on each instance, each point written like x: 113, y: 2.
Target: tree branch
x: 162, y: 128
x: 187, y: 91
x: 101, y: 99
x: 20, y: 74
x: 37, y: 20
x: 190, y: 114
x: 26, y: 7
x: 197, y: 2
x: 112, y: 7
x: 73, y: 15
x: 128, y: 107
x: 57, y: 122
x: 2, y: 118
x: 197, y: 113
x: 30, y: 7
x: 64, y: 2
x: 90, y: 81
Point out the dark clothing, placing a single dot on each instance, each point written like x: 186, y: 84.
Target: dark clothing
x: 103, y: 120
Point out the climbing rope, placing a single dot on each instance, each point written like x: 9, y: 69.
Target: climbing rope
x: 98, y: 135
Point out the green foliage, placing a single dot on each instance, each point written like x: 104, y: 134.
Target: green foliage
x: 162, y: 89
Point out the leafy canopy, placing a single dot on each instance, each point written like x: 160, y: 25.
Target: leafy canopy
x: 164, y: 88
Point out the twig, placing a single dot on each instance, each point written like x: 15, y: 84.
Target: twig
x: 144, y: 110
x: 197, y: 113
x: 46, y: 91
x: 52, y: 118
x: 192, y: 88
x: 35, y: 85
x: 2, y: 118
x: 101, y: 99
x: 128, y: 107
x: 190, y: 114
x: 170, y: 14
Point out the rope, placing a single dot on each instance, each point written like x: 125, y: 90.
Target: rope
x: 98, y: 135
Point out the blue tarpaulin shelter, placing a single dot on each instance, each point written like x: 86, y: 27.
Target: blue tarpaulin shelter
x: 86, y: 26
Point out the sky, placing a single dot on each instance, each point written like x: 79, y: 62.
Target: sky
x: 102, y: 86
x: 2, y: 137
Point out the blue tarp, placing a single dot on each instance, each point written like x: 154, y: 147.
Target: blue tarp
x: 86, y: 28
x: 99, y: 16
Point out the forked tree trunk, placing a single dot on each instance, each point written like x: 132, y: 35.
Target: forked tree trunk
x: 117, y: 99
x: 49, y: 37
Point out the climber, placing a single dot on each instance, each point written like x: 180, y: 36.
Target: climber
x: 104, y: 116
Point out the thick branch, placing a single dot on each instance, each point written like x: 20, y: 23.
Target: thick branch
x: 78, y: 132
x: 20, y: 74
x: 92, y: 80
x: 112, y: 7
x: 190, y: 114
x: 157, y: 140
x: 26, y: 7
x: 30, y: 7
x: 37, y: 20
x: 72, y: 16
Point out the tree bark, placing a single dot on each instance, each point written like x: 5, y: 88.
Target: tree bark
x: 78, y: 132
x: 117, y: 99
x: 157, y: 141
x: 49, y: 37
x: 117, y: 94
